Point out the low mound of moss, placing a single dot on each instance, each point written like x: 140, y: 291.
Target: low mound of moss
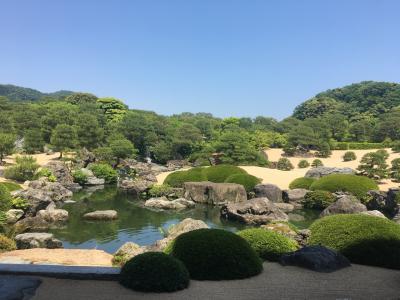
x: 362, y: 239
x: 247, y: 180
x: 302, y: 183
x: 178, y: 178
x: 220, y: 173
x: 214, y: 254
x: 318, y: 199
x: 356, y: 185
x: 154, y: 272
x: 269, y: 245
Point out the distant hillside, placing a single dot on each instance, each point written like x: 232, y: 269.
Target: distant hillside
x: 17, y: 93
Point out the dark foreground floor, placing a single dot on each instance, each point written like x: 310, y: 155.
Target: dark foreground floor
x: 276, y: 282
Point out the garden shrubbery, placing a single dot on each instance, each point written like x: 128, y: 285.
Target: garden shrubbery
x: 154, y: 272
x: 284, y: 164
x: 317, y: 163
x: 349, y: 156
x: 248, y: 181
x: 104, y: 171
x: 214, y: 254
x: 269, y: 245
x: 5, y: 199
x: 6, y: 244
x: 80, y: 177
x: 303, y: 164
x: 318, y: 199
x: 354, y: 184
x: 160, y: 190
x: 178, y: 178
x: 362, y: 239
x: 358, y: 146
x: 24, y: 169
x: 11, y: 186
x: 45, y: 172
x: 220, y: 173
x: 302, y: 183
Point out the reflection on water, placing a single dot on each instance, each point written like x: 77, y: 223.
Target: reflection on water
x: 135, y: 223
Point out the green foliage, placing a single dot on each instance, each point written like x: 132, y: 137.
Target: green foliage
x: 113, y: 109
x: 247, y: 180
x: 18, y: 93
x: 6, y: 145
x: 316, y: 107
x: 80, y: 177
x: 284, y: 164
x: 81, y: 98
x: 178, y: 178
x: 374, y: 165
x: 349, y: 156
x: 214, y: 254
x: 318, y: 199
x: 154, y: 272
x: 395, y: 169
x: 122, y: 148
x: 64, y: 137
x: 6, y: 244
x: 354, y: 184
x: 24, y: 169
x: 362, y: 239
x: 316, y: 163
x: 45, y: 172
x: 5, y: 199
x: 396, y: 146
x: 33, y: 141
x: 88, y: 130
x: 160, y: 190
x: 220, y: 173
x: 269, y: 245
x: 324, y: 150
x: 19, y: 203
x: 104, y: 171
x: 104, y: 155
x: 11, y: 186
x: 357, y: 146
x: 303, y: 164
x: 302, y: 183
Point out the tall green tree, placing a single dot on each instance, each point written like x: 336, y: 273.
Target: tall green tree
x: 63, y: 138
x: 90, y: 134
x: 6, y: 145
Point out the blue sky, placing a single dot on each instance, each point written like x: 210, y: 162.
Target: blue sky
x: 227, y: 57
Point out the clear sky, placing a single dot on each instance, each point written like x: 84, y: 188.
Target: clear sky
x: 227, y: 57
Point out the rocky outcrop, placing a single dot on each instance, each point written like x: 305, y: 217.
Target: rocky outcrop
x: 91, y: 179
x: 164, y: 203
x: 126, y: 252
x: 143, y: 169
x: 13, y: 215
x: 374, y: 213
x: 317, y: 258
x: 255, y: 211
x: 285, y: 207
x: 53, y: 215
x: 346, y: 204
x: 270, y: 191
x: 101, y: 215
x: 136, y: 186
x: 324, y: 171
x: 386, y: 202
x: 214, y: 193
x: 295, y: 197
x: 173, y: 165
x: 37, y: 240
x: 63, y: 175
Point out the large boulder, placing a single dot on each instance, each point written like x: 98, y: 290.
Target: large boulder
x: 91, y: 179
x: 63, y: 175
x: 374, y: 213
x: 346, y: 204
x: 385, y: 202
x: 214, y: 193
x: 164, y: 203
x: 255, y: 211
x: 270, y: 191
x: 37, y: 240
x: 295, y: 197
x: 101, y: 215
x: 126, y: 252
x: 136, y: 186
x: 173, y: 165
x: 53, y: 215
x: 317, y: 258
x: 319, y: 172
x: 13, y: 215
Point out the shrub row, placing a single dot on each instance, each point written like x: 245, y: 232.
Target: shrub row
x: 357, y: 146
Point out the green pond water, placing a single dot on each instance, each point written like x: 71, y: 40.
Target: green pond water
x: 135, y: 222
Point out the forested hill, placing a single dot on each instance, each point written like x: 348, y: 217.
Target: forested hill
x: 367, y: 98
x: 17, y: 93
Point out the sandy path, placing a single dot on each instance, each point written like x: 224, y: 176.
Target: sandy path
x: 283, y: 178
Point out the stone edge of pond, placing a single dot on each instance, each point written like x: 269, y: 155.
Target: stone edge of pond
x: 62, y: 271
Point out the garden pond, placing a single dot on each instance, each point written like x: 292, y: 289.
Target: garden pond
x: 135, y: 223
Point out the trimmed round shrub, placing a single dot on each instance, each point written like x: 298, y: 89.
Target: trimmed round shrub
x: 6, y: 244
x: 303, y: 164
x: 154, y: 272
x: 247, y: 180
x: 178, y: 178
x: 5, y: 199
x: 215, y: 254
x: 269, y: 245
x: 220, y: 173
x: 284, y: 164
x: 349, y: 156
x: 302, y: 183
x: 318, y: 199
x: 317, y: 163
x: 362, y: 239
x: 104, y: 171
x: 80, y: 177
x: 354, y: 184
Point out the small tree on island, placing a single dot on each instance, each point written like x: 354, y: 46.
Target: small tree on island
x: 374, y: 165
x: 64, y: 137
x: 6, y: 145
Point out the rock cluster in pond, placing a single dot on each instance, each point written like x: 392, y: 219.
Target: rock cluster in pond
x: 101, y: 215
x: 317, y: 258
x: 37, y: 240
x: 346, y: 204
x: 136, y: 186
x: 164, y: 203
x: 254, y: 211
x: 319, y: 172
x: 63, y: 175
x: 270, y: 191
x: 295, y: 197
x: 91, y: 179
x: 214, y: 193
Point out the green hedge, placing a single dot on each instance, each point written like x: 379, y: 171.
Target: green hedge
x: 302, y: 183
x: 248, y: 181
x: 356, y: 185
x: 154, y: 272
x: 362, y: 239
x: 357, y: 146
x: 178, y: 178
x: 269, y: 245
x: 214, y: 254
x: 220, y: 173
x: 349, y: 156
x: 318, y: 199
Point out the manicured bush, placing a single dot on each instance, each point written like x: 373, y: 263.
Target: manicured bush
x: 80, y: 177
x: 160, y: 190
x: 317, y: 163
x: 284, y: 164
x: 45, y: 172
x: 19, y: 203
x: 6, y: 244
x: 395, y: 169
x: 5, y: 199
x: 215, y: 254
x: 324, y: 150
x: 318, y: 199
x: 356, y: 185
x: 247, y: 180
x: 220, y: 173
x: 24, y: 169
x: 374, y: 165
x: 269, y: 245
x: 154, y: 272
x: 362, y: 239
x: 301, y: 183
x: 349, y: 156
x: 11, y: 186
x: 303, y: 164
x: 104, y: 171
x: 178, y: 178
x: 396, y: 146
